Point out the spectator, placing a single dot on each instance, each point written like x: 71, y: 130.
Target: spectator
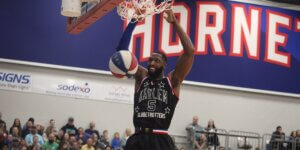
x: 88, y: 145
x: 9, y: 141
x: 31, y: 119
x: 277, y: 138
x: 33, y: 132
x: 116, y: 142
x: 193, y: 134
x: 40, y: 129
x: 15, y: 144
x: 66, y: 138
x: 15, y: 132
x: 51, y: 128
x: 64, y: 145
x: 104, y: 139
x: 70, y: 127
x: 96, y: 142
x: 107, y: 147
x: 174, y: 141
x: 23, y: 143
x: 60, y: 136
x: 36, y: 145
x: 82, y: 135
x: 212, y: 137
x: 51, y: 144
x: 75, y: 146
x: 126, y: 136
x: 2, y: 135
x: 26, y: 128
x: 3, y: 122
x: 92, y: 129
x: 17, y: 123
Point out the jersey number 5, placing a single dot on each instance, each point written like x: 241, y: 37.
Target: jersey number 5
x: 151, y: 105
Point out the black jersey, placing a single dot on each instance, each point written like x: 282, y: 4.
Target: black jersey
x: 154, y: 104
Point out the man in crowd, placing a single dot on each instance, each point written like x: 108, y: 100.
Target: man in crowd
x: 70, y: 127
x: 33, y: 132
x: 277, y: 138
x: 194, y: 135
x: 51, y: 144
x: 51, y: 128
x: 92, y: 129
x: 128, y: 133
x: 88, y: 145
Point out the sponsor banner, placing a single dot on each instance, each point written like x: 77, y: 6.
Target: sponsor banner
x: 66, y: 86
x: 16, y: 81
x: 237, y: 45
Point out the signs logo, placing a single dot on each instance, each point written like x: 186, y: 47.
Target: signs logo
x: 15, y: 81
x: 74, y: 88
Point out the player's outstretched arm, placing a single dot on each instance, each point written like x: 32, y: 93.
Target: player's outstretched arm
x: 185, y: 61
x: 124, y: 45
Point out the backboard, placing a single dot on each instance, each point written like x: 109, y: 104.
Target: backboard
x: 90, y: 13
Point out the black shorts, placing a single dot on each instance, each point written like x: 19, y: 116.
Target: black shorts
x: 149, y: 141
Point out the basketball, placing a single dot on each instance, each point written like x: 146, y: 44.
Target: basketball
x: 123, y: 64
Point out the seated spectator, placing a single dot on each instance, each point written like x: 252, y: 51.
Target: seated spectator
x: 9, y: 141
x: 15, y: 132
x: 297, y: 140
x: 96, y: 142
x: 83, y: 135
x: 59, y: 136
x: 107, y: 148
x: 23, y: 143
x: 26, y: 129
x: 40, y: 129
x: 50, y: 144
x: 88, y: 145
x: 15, y: 144
x: 277, y: 138
x: 92, y: 129
x: 194, y: 135
x: 17, y: 123
x: 70, y: 127
x: 3, y: 135
x: 126, y: 136
x: 64, y: 146
x: 3, y: 122
x: 72, y: 140
x: 116, y: 142
x: 31, y: 119
x: 104, y: 139
x: 35, y: 145
x: 33, y: 132
x: 75, y: 146
x: 51, y: 128
x: 212, y: 138
x: 66, y: 138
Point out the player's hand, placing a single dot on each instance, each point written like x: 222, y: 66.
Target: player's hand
x: 169, y: 16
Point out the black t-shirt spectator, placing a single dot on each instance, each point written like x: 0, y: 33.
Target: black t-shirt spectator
x: 71, y: 129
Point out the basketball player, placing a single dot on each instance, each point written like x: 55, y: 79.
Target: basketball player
x: 155, y: 95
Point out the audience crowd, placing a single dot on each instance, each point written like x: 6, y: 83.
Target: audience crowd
x: 32, y: 136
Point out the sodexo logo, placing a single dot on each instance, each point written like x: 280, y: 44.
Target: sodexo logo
x: 74, y: 88
x: 15, y: 78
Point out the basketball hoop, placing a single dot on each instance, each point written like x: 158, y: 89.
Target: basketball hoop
x: 137, y: 10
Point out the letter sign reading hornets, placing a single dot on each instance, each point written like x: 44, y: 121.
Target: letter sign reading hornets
x: 154, y: 102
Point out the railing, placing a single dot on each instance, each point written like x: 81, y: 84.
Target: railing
x: 220, y: 139
x: 276, y: 142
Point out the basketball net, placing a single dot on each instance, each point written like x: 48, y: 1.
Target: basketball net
x: 138, y: 10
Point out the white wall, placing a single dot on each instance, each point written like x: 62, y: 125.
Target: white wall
x: 230, y: 109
